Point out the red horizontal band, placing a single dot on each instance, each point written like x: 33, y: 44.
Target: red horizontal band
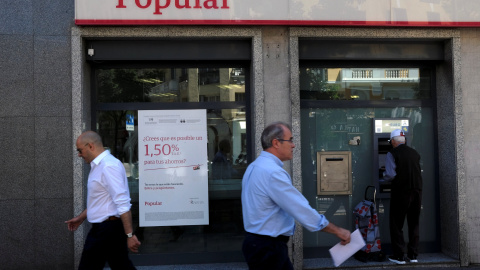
x: 277, y: 22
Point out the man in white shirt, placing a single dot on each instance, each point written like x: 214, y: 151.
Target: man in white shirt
x: 108, y: 208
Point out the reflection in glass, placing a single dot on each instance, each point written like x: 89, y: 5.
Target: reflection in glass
x: 170, y: 85
x: 364, y: 83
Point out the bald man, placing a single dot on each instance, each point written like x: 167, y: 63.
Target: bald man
x: 108, y: 208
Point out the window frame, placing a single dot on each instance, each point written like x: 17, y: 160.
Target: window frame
x: 172, y: 258
x: 316, y: 252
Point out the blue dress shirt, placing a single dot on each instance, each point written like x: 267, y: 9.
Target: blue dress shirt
x: 271, y: 204
x: 390, y: 168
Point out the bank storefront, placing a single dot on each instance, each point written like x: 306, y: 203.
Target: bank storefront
x: 342, y: 88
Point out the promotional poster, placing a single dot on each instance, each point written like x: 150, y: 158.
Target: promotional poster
x: 173, y: 171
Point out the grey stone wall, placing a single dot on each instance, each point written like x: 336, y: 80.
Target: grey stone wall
x: 449, y: 123
x: 35, y: 139
x: 44, y: 106
x: 470, y: 54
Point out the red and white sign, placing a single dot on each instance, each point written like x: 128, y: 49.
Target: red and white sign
x: 447, y: 13
x: 173, y: 169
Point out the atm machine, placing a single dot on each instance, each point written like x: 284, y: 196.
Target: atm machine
x: 381, y: 146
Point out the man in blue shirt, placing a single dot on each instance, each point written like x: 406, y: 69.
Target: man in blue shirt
x: 271, y: 204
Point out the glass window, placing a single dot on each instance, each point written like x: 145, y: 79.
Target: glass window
x: 364, y: 83
x: 130, y: 89
x: 116, y: 85
x: 332, y: 117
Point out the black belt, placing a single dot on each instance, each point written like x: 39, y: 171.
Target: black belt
x: 112, y: 218
x: 282, y: 238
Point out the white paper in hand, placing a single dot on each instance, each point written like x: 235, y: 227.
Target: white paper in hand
x: 340, y: 253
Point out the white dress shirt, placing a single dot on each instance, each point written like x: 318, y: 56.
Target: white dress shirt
x: 108, y: 193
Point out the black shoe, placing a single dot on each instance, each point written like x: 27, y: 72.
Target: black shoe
x: 412, y: 258
x: 397, y: 260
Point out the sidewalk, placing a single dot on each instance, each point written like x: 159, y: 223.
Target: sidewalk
x: 429, y: 261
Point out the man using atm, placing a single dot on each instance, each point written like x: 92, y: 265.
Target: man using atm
x: 402, y: 168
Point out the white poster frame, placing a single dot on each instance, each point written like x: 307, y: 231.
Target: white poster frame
x: 173, y: 171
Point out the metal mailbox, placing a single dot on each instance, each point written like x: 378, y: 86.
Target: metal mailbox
x: 334, y: 173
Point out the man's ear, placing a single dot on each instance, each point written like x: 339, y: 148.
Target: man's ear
x: 275, y: 143
x: 91, y: 146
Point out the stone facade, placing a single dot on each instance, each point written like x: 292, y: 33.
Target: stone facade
x: 45, y: 106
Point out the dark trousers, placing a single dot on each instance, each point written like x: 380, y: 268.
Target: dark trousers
x: 266, y: 253
x: 106, y: 242
x: 405, y: 204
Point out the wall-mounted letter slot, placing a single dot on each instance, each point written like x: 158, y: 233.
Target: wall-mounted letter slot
x: 334, y: 175
x: 334, y: 159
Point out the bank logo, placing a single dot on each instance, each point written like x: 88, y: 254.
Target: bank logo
x: 197, y: 202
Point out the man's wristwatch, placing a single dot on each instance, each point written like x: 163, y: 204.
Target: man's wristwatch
x: 129, y: 235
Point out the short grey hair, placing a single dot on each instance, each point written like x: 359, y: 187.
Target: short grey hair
x: 273, y: 131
